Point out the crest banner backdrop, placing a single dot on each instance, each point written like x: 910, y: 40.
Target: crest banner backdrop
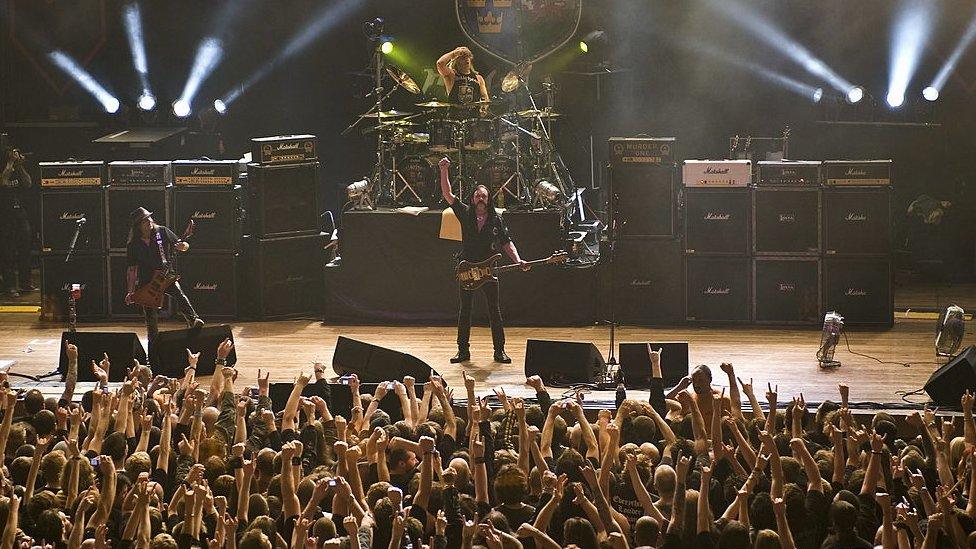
x: 519, y: 30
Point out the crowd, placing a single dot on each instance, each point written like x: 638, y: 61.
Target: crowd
x: 165, y: 463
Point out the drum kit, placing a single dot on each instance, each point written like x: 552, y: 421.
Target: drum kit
x: 508, y: 152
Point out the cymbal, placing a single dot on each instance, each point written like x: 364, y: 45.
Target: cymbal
x: 398, y: 123
x: 403, y: 79
x: 532, y: 113
x: 387, y: 114
x: 436, y: 104
x: 510, y: 82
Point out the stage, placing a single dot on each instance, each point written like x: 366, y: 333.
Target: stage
x: 783, y: 356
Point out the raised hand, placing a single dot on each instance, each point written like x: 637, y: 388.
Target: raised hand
x: 536, y: 383
x: 224, y: 348
x: 727, y: 368
x: 71, y: 351
x: 746, y: 387
x: 192, y: 358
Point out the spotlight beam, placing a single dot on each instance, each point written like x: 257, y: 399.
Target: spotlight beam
x: 783, y: 81
x: 325, y: 20
x: 109, y: 102
x: 137, y: 44
x: 950, y: 65
x: 766, y: 31
x: 912, y: 28
x: 208, y: 57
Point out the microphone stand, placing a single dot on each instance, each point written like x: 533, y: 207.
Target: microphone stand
x: 72, y: 310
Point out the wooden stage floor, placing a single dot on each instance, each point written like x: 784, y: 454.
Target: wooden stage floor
x: 784, y: 356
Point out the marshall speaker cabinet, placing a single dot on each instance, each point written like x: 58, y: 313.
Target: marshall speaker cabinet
x: 66, y: 209
x: 216, y: 211
x: 647, y: 281
x: 282, y: 275
x: 643, y: 186
x: 717, y: 289
x: 57, y: 277
x: 717, y: 221
x: 210, y: 281
x: 857, y: 221
x: 120, y: 201
x: 860, y: 289
x: 786, y: 290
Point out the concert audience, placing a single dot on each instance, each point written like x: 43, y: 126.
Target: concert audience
x: 165, y: 463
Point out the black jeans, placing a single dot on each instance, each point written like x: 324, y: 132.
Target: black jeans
x: 490, y: 289
x: 152, y: 314
x: 15, y: 247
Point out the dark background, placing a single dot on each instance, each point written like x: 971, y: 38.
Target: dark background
x: 671, y: 88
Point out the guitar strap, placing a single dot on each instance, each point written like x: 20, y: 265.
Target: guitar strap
x: 159, y: 245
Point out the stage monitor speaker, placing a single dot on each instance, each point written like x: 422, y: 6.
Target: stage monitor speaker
x: 947, y: 384
x: 857, y: 221
x: 786, y: 221
x: 717, y: 289
x: 717, y: 221
x: 216, y: 212
x: 282, y: 200
x: 120, y: 203
x: 60, y: 211
x: 342, y: 399
x: 786, y: 290
x: 563, y: 363
x: 209, y: 281
x: 647, y: 281
x: 121, y: 347
x: 635, y: 363
x: 375, y: 364
x: 167, y: 353
x: 859, y: 289
x: 88, y: 271
x: 645, y: 201
x: 282, y: 277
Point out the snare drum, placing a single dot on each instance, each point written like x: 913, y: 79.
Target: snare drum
x: 479, y: 134
x: 442, y: 136
x: 422, y: 174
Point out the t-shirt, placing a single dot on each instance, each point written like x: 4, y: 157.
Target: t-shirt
x: 517, y: 514
x: 146, y: 256
x: 478, y: 245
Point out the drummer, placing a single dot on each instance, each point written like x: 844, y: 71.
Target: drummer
x: 464, y: 84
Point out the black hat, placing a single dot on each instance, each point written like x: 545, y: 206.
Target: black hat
x: 139, y: 214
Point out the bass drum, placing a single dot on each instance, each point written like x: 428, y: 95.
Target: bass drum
x: 498, y: 172
x: 422, y: 175
x: 479, y: 134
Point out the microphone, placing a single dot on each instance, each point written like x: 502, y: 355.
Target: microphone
x: 81, y: 220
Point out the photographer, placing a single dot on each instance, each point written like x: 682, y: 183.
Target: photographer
x: 15, y: 230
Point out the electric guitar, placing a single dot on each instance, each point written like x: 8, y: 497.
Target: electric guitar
x: 471, y: 275
x: 152, y: 294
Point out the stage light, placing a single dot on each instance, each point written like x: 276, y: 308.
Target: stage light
x: 181, y: 108
x: 219, y: 106
x: 109, y: 102
x: 855, y: 94
x: 930, y: 93
x: 329, y: 17
x: 912, y: 28
x: 833, y: 325
x: 147, y: 102
x: 950, y: 331
x: 950, y: 64
x: 358, y: 193
x: 584, y: 47
x: 895, y: 100
x: 594, y: 41
x: 387, y: 46
x: 769, y: 33
x: 208, y: 56
x: 817, y: 95
x: 548, y: 194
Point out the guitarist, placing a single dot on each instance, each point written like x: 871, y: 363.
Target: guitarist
x: 150, y: 247
x: 482, y: 230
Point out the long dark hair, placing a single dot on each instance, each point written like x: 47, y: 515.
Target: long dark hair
x: 134, y: 233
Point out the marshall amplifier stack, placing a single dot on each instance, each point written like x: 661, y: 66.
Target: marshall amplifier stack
x: 786, y: 243
x: 73, y: 201
x: 716, y: 240
x: 207, y: 193
x: 283, y: 251
x: 857, y: 240
x: 645, y: 278
x: 131, y: 184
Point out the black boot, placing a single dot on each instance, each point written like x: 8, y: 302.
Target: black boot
x: 463, y: 355
x: 501, y: 357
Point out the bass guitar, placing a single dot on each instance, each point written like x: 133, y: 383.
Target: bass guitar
x: 471, y: 275
x: 152, y: 294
